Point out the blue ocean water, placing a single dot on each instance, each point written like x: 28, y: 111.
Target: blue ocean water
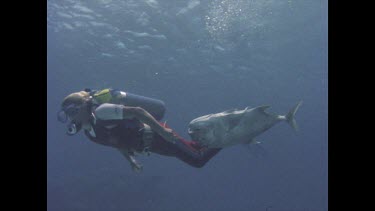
x: 199, y: 57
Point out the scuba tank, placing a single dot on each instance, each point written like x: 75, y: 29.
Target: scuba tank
x: 154, y: 106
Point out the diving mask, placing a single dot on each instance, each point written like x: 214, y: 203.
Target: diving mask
x: 69, y: 112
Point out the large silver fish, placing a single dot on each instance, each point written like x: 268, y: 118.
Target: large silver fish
x: 234, y: 126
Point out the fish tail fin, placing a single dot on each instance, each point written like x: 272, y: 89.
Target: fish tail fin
x: 290, y: 116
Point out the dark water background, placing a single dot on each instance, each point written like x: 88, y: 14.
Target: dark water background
x: 199, y: 57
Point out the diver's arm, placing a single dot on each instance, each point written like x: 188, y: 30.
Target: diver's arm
x: 108, y: 111
x: 133, y: 162
x: 146, y: 118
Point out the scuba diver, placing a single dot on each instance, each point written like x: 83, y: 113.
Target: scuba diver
x: 129, y: 123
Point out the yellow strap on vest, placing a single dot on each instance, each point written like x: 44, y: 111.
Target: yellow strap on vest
x: 103, y: 96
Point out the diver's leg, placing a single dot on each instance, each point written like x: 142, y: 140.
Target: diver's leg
x: 189, y: 152
x: 195, y: 158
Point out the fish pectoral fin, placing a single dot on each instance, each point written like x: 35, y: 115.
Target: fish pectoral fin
x: 258, y: 151
x: 253, y: 141
x: 230, y: 111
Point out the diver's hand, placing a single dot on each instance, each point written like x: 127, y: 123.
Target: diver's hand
x: 137, y: 167
x: 169, y: 136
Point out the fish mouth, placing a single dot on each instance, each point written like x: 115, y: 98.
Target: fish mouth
x: 193, y: 134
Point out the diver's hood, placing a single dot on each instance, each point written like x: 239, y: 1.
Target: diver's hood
x: 69, y: 111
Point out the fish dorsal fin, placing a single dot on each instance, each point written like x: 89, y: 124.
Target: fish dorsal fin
x: 229, y: 111
x: 262, y: 108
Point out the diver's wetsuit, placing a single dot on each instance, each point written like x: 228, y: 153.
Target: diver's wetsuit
x: 127, y: 134
x: 190, y: 152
